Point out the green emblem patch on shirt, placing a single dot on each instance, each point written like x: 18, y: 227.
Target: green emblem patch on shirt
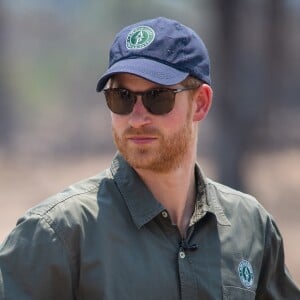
x: 246, y: 275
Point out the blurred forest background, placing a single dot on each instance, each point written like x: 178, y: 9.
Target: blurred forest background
x: 55, y: 128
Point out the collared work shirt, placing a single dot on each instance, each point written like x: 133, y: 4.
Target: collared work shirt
x: 108, y: 238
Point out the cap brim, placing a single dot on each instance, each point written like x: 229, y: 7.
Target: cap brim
x: 146, y: 68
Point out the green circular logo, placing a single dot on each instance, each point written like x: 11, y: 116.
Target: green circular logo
x: 140, y: 37
x: 246, y: 273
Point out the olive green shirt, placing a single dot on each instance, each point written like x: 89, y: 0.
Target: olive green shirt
x: 108, y: 238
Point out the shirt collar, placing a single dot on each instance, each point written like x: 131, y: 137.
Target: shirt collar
x: 142, y: 205
x: 206, y: 201
x: 212, y: 203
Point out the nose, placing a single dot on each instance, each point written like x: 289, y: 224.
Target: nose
x: 139, y: 116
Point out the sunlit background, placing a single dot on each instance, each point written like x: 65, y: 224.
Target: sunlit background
x: 55, y: 128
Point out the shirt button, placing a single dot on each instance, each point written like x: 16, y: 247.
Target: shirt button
x: 164, y: 214
x: 181, y: 254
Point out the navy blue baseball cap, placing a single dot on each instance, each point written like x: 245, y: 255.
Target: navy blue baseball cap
x: 160, y: 50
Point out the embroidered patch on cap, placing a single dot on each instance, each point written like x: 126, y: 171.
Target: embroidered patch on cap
x: 140, y: 37
x: 246, y: 274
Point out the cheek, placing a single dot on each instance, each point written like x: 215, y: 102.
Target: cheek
x: 179, y: 116
x: 118, y: 122
x: 117, y: 126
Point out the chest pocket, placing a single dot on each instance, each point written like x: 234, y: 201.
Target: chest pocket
x: 235, y: 293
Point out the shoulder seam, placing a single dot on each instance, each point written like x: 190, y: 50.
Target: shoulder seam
x: 67, y: 197
x: 230, y: 191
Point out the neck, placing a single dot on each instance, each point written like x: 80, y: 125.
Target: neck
x: 175, y: 190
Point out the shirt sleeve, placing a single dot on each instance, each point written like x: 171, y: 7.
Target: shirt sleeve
x: 275, y: 281
x: 34, y: 263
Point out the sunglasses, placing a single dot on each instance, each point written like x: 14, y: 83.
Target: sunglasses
x: 158, y: 101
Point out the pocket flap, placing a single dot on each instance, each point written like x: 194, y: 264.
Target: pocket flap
x: 236, y: 293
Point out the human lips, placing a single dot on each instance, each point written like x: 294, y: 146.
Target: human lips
x: 141, y: 136
x: 141, y: 139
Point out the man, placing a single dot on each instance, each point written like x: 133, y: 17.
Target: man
x: 152, y: 226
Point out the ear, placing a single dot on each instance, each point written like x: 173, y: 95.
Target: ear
x: 202, y: 101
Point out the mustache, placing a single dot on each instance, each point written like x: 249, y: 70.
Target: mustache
x: 141, y: 131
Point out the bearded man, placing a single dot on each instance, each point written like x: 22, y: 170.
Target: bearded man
x: 152, y: 226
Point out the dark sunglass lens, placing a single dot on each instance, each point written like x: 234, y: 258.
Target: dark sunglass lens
x: 119, y: 101
x: 159, y: 101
